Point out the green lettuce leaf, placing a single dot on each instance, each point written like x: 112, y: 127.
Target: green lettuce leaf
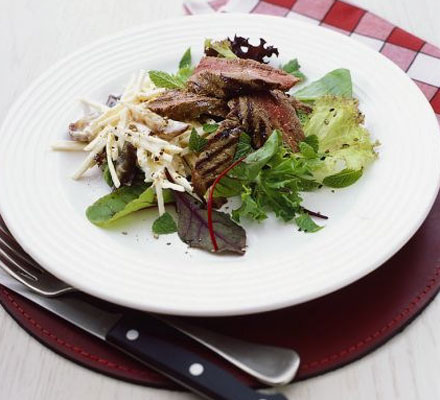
x: 222, y: 47
x: 307, y: 150
x: 121, y: 202
x: 312, y: 141
x: 302, y: 116
x: 344, y: 144
x: 337, y: 83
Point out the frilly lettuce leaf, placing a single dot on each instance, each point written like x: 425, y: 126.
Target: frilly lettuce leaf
x: 343, y: 142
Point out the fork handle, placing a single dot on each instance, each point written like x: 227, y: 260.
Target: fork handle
x: 188, y: 369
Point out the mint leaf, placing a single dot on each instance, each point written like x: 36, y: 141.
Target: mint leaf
x: 313, y: 142
x: 165, y: 80
x: 306, y: 223
x: 306, y: 150
x: 186, y: 61
x: 169, y: 81
x: 244, y: 146
x: 196, y: 142
x: 210, y: 128
x: 164, y: 225
x: 293, y: 68
x: 183, y: 74
x: 342, y: 179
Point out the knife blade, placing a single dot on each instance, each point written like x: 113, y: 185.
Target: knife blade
x: 132, y: 336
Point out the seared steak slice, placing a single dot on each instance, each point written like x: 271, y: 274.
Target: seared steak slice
x: 261, y: 113
x: 224, y: 78
x: 183, y: 106
x: 216, y: 157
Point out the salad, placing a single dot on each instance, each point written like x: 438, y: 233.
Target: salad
x: 231, y: 126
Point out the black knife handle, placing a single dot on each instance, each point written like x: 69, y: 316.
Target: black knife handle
x: 184, y: 367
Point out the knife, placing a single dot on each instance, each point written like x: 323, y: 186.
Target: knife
x: 133, y: 336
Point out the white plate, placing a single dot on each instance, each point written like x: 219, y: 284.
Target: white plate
x: 368, y: 222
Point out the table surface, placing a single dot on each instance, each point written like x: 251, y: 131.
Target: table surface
x: 35, y: 34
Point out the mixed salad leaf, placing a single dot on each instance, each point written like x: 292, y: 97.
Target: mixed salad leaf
x: 239, y: 47
x: 196, y: 142
x: 221, y: 48
x: 121, y: 202
x: 293, y: 68
x: 193, y: 227
x: 344, y: 142
x: 335, y: 151
x: 164, y: 224
x: 174, y: 81
x: 269, y: 179
x: 337, y: 82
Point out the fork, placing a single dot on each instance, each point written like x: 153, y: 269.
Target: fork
x: 270, y: 365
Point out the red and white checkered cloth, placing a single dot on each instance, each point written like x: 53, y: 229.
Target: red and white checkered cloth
x: 419, y: 59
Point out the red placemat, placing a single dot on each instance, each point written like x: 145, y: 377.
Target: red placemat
x: 356, y: 319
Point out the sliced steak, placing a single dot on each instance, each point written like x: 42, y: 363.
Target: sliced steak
x: 184, y: 106
x: 261, y: 113
x: 225, y: 78
x: 217, y: 156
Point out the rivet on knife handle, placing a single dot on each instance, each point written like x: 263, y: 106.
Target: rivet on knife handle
x: 180, y: 365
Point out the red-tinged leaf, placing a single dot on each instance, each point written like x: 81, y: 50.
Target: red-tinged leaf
x: 193, y: 227
x: 211, y: 203
x: 243, y: 49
